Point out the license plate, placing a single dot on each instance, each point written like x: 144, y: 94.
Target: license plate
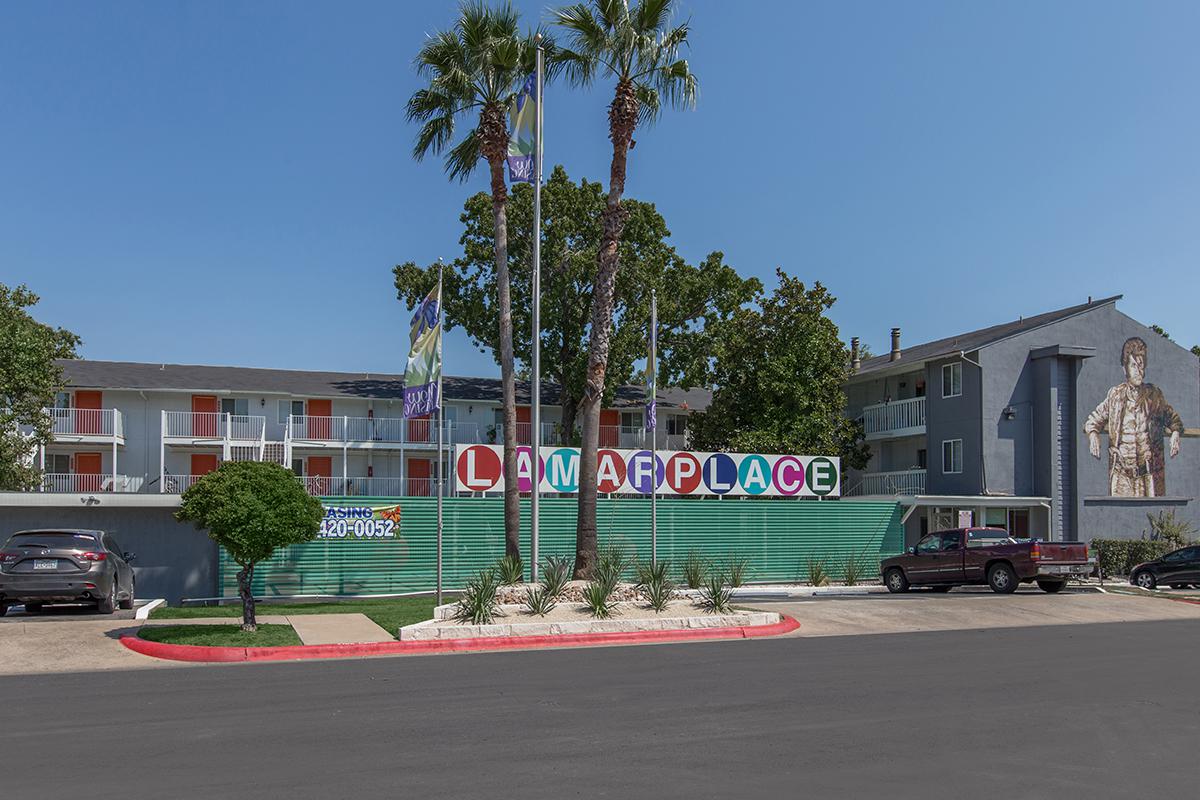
x: 45, y: 563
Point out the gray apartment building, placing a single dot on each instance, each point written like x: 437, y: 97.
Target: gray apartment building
x: 1069, y: 425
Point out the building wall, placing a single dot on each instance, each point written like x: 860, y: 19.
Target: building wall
x: 948, y: 418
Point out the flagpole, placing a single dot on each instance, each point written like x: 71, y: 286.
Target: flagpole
x: 535, y: 390
x: 653, y: 371
x: 441, y: 455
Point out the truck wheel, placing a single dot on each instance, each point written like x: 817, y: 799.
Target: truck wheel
x: 1144, y: 580
x: 1052, y: 586
x: 1002, y: 579
x: 895, y: 580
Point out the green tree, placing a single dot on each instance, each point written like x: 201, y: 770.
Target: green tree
x: 251, y: 508
x: 779, y: 374
x: 638, y: 47
x: 478, y: 67
x: 1196, y: 350
x: 1158, y: 329
x: 690, y: 298
x: 29, y: 378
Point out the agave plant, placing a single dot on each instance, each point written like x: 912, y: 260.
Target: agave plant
x: 477, y: 603
x: 556, y: 571
x: 539, y: 601
x: 659, y: 592
x: 739, y: 567
x: 511, y: 570
x: 715, y: 596
x: 695, y: 569
x: 595, y: 597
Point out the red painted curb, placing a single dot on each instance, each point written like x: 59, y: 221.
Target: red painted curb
x: 191, y: 652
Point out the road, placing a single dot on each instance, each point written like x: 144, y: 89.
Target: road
x: 1060, y: 711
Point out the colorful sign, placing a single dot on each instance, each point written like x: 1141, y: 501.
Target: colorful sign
x: 523, y: 117
x: 423, y: 371
x: 479, y: 468
x: 360, y: 522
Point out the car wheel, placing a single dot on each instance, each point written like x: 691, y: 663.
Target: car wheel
x: 942, y: 589
x: 1002, y: 579
x: 127, y: 603
x: 1052, y: 587
x: 1144, y: 580
x: 895, y: 580
x: 108, y: 604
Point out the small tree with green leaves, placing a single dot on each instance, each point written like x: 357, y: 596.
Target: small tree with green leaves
x: 251, y: 508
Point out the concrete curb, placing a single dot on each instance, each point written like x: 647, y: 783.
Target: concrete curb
x: 143, y: 612
x: 199, y: 653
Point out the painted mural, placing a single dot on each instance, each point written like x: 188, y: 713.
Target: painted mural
x: 1137, y: 418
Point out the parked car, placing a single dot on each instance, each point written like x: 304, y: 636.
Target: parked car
x: 1178, y: 569
x: 978, y: 556
x: 65, y: 566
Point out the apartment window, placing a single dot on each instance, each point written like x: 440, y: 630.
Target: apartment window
x: 298, y: 466
x: 238, y: 407
x: 952, y: 379
x: 677, y: 425
x: 62, y: 399
x: 58, y: 463
x: 631, y: 421
x: 952, y: 456
x: 293, y: 407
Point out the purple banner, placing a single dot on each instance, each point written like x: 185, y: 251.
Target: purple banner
x: 420, y: 400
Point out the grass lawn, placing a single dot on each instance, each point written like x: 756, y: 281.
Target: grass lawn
x: 388, y: 613
x: 222, y: 635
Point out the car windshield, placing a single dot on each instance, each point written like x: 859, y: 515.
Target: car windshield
x: 53, y: 541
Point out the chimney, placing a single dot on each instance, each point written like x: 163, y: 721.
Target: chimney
x: 855, y: 361
x: 895, y: 354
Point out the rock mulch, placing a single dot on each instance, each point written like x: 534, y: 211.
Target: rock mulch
x: 572, y: 593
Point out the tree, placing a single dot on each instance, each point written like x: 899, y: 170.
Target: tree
x: 480, y: 64
x: 779, y: 374
x: 691, y: 298
x: 1196, y: 350
x: 638, y: 48
x: 29, y: 379
x: 251, y: 508
x: 1158, y: 329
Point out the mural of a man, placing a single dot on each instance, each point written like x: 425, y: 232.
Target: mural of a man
x: 1137, y: 418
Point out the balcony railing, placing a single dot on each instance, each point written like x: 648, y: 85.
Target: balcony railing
x: 891, y: 484
x: 98, y: 422
x: 212, y: 425
x: 74, y: 482
x: 896, y: 418
x: 373, y: 487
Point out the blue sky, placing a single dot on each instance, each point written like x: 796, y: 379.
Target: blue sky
x: 230, y: 183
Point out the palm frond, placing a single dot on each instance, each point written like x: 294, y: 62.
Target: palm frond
x: 614, y: 13
x: 651, y: 15
x: 462, y: 160
x: 677, y: 84
x: 434, y: 135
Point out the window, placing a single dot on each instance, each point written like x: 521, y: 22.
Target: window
x: 930, y: 544
x: 952, y: 379
x: 62, y: 399
x: 293, y: 407
x: 631, y: 421
x: 952, y: 456
x: 298, y: 466
x: 677, y: 425
x: 238, y: 407
x: 58, y: 463
x: 113, y: 546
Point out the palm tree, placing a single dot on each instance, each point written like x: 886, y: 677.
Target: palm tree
x: 480, y: 64
x: 639, y: 48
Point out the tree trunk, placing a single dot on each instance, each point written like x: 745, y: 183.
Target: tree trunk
x: 245, y: 577
x: 567, y: 402
x: 622, y: 119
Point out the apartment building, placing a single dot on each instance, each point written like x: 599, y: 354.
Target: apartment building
x: 1072, y: 425
x: 156, y: 428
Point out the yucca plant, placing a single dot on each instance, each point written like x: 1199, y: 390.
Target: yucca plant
x: 595, y: 597
x: 818, y: 574
x: 659, y: 592
x: 739, y: 568
x: 715, y: 596
x: 852, y: 571
x: 511, y: 570
x: 556, y: 571
x: 648, y: 573
x: 539, y: 601
x: 612, y: 562
x: 695, y: 569
x: 477, y: 603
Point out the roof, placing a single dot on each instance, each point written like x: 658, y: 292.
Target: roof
x: 973, y: 340
x: 136, y: 376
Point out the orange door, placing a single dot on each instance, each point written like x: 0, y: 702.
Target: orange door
x: 524, y: 435
x: 203, y: 463
x: 610, y: 428
x: 320, y: 472
x: 87, y: 412
x: 205, y: 413
x: 419, y: 474
x: 87, y: 472
x: 419, y: 429
x: 319, y: 413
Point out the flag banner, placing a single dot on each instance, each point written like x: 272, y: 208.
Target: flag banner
x: 479, y: 468
x: 651, y: 401
x: 424, y: 366
x: 523, y: 119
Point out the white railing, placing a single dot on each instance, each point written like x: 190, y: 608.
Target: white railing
x: 320, y: 486
x: 898, y: 415
x: 551, y: 434
x: 72, y: 482
x: 901, y: 482
x: 103, y: 422
x: 177, y: 484
x: 212, y: 425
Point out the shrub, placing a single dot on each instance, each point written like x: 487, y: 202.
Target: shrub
x: 555, y: 574
x: 1120, y: 556
x: 611, y: 562
x: 695, y: 569
x: 818, y: 574
x: 739, y: 568
x: 477, y: 603
x: 595, y: 597
x: 715, y: 596
x: 853, y: 569
x: 648, y: 573
x: 1166, y: 527
x: 511, y: 570
x: 659, y: 591
x: 539, y: 601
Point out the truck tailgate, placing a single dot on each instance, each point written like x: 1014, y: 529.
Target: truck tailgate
x: 1061, y: 552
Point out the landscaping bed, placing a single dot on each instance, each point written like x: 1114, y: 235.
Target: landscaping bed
x: 388, y: 613
x: 221, y: 635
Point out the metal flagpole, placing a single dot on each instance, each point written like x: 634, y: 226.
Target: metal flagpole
x: 653, y: 371
x: 441, y: 456
x: 535, y: 390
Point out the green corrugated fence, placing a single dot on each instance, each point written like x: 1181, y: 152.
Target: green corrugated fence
x: 777, y: 536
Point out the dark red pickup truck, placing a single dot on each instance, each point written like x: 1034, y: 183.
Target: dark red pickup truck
x: 989, y: 556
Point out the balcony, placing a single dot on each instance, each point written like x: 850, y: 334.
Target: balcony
x: 894, y: 419
x: 890, y: 484
x: 208, y: 427
x: 75, y: 483
x: 365, y: 432
x: 319, y: 486
x: 87, y: 425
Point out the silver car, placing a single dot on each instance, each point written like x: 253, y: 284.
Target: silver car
x: 65, y: 566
